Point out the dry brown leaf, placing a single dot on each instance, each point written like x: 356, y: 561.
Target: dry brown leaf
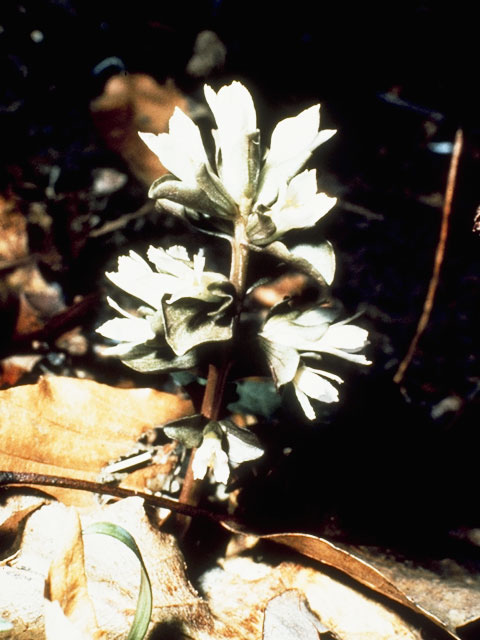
x: 66, y: 582
x: 12, y: 369
x: 113, y: 574
x: 239, y: 593
x: 365, y: 573
x: 451, y: 593
x: 71, y: 427
x: 133, y: 103
x: 291, y: 284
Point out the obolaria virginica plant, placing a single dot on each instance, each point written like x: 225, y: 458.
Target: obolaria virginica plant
x: 190, y: 317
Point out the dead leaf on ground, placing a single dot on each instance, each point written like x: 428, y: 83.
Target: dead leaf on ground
x: 113, y: 574
x: 133, y: 103
x: 451, y: 592
x: 66, y: 581
x: 12, y: 369
x: 357, y: 568
x: 70, y: 427
x: 241, y: 590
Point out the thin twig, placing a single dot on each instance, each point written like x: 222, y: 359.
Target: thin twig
x: 8, y: 478
x: 439, y: 255
x: 122, y: 221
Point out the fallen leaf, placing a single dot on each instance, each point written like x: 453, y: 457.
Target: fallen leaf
x: 133, y: 103
x: 451, y: 592
x: 363, y: 572
x: 113, y: 574
x: 291, y: 284
x: 288, y: 616
x: 71, y: 427
x: 66, y: 582
x: 12, y: 369
x: 240, y: 592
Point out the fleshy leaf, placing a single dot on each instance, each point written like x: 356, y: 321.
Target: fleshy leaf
x: 150, y: 358
x: 280, y: 251
x: 260, y: 228
x: 191, y: 196
x: 188, y: 324
x: 243, y: 445
x: 187, y: 430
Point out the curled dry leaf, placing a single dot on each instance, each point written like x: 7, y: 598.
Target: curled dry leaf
x: 132, y: 103
x: 66, y: 582
x: 113, y: 574
x: 357, y: 568
x: 69, y: 427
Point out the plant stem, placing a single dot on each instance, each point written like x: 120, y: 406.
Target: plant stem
x: 217, y: 374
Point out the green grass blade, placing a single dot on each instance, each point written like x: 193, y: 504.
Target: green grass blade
x: 143, y: 611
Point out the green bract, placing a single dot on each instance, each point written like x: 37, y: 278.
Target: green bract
x: 186, y: 306
x: 266, y: 192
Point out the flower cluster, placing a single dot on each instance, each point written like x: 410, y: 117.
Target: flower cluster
x: 264, y: 190
x: 291, y: 336
x: 265, y: 195
x: 185, y: 306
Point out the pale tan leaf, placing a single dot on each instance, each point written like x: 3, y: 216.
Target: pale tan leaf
x: 70, y: 427
x: 240, y: 591
x: 365, y: 573
x: 113, y: 574
x: 66, y: 582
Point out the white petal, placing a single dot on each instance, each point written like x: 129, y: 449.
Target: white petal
x: 293, y: 136
x: 180, y: 151
x: 200, y: 463
x: 236, y: 120
x: 321, y: 257
x: 313, y: 383
x: 347, y: 336
x: 301, y: 215
x: 165, y: 262
x: 221, y: 470
x: 293, y: 141
x: 118, y: 308
x: 127, y: 330
x: 211, y: 455
x: 305, y: 404
x: 136, y: 277
x: 282, y: 331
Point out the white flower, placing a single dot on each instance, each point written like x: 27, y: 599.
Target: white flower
x: 298, y: 204
x: 243, y: 184
x: 293, y: 141
x: 181, y: 326
x: 344, y: 340
x: 177, y: 276
x: 312, y: 383
x: 181, y: 150
x: 290, y: 336
x: 313, y: 331
x: 129, y: 331
x: 210, y: 455
x: 234, y: 113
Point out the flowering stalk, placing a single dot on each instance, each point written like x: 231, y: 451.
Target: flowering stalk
x: 253, y: 199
